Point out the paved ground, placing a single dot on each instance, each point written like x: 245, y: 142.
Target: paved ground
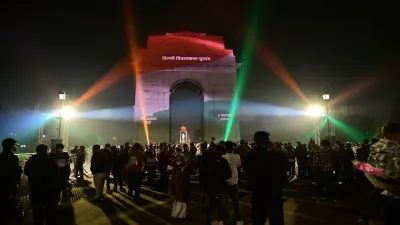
x: 119, y: 209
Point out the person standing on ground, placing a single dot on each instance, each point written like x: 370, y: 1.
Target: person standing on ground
x: 214, y: 172
x: 163, y: 162
x: 117, y: 168
x: 385, y: 156
x: 10, y: 175
x: 109, y: 165
x: 180, y: 186
x: 266, y: 169
x: 99, y: 168
x: 234, y: 163
x: 134, y: 169
x: 62, y: 160
x: 43, y: 176
x: 80, y: 161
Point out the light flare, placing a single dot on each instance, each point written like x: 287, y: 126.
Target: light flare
x: 357, y: 89
x: 134, y: 60
x: 114, y: 75
x: 274, y: 64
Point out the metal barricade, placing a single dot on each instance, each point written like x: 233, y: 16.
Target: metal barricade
x: 23, y: 188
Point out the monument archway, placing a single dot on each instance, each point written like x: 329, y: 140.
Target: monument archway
x: 178, y: 64
x: 186, y: 108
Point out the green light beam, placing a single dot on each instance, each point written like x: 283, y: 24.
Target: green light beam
x: 311, y: 133
x: 246, y: 64
x: 353, y: 133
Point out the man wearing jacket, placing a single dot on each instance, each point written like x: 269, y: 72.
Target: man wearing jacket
x: 266, y: 169
x: 10, y: 175
x: 44, y: 177
x: 214, y: 172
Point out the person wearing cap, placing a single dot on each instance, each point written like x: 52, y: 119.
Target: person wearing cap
x: 385, y: 156
x: 43, y: 176
x: 10, y: 174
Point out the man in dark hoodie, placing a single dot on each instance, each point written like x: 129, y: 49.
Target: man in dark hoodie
x: 214, y: 173
x: 266, y: 170
x: 10, y: 174
x: 42, y: 173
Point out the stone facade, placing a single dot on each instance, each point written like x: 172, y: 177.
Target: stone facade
x: 174, y: 58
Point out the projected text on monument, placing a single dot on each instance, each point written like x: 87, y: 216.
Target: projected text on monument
x: 190, y: 85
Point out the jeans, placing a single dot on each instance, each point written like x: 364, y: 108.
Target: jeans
x: 265, y: 207
x: 151, y: 174
x: 134, y: 183
x: 233, y: 194
x: 99, y: 179
x: 164, y: 179
x: 108, y: 181
x: 117, y: 179
x: 44, y: 211
x: 79, y: 170
x: 216, y: 207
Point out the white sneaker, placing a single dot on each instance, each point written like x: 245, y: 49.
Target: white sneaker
x: 220, y: 222
x: 239, y: 223
x: 215, y: 223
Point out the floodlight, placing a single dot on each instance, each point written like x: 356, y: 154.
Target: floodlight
x: 316, y: 111
x: 68, y: 112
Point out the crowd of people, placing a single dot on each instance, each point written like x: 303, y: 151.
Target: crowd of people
x: 265, y: 165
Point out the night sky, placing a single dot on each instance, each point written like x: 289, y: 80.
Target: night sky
x: 325, y: 47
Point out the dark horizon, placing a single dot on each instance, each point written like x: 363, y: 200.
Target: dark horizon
x: 326, y: 47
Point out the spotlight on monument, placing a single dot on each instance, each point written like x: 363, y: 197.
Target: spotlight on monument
x: 316, y: 111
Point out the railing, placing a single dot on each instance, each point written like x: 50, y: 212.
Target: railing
x: 23, y: 190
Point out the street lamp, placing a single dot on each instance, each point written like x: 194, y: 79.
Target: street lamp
x: 316, y: 112
x: 61, y: 96
x: 326, y: 98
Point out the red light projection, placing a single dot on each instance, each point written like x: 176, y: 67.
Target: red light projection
x: 182, y: 49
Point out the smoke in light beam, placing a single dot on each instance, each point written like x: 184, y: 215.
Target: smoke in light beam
x: 116, y: 114
x: 114, y: 75
x: 134, y: 60
x: 274, y: 64
x: 249, y: 109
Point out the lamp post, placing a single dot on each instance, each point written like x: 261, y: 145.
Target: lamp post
x: 326, y: 98
x: 316, y: 112
x: 61, y: 97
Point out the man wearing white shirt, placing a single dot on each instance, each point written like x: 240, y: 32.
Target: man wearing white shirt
x: 234, y: 162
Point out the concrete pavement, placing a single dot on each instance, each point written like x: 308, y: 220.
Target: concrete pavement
x: 155, y: 208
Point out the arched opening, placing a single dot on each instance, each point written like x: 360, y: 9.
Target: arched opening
x: 186, y: 108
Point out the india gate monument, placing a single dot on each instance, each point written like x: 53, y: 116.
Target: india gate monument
x: 185, y: 79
